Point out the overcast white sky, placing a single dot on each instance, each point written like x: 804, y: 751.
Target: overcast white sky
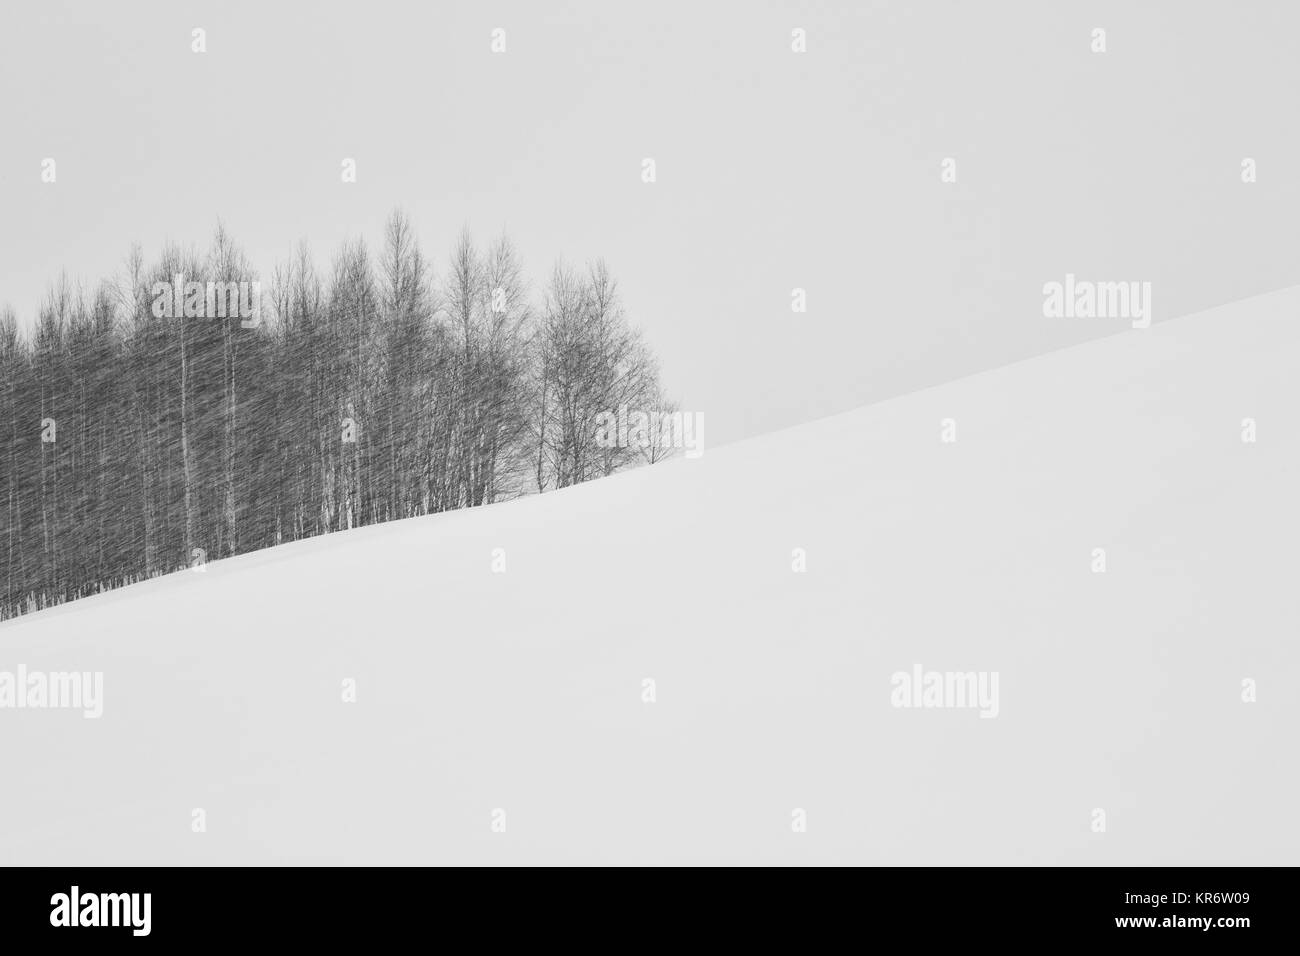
x: 775, y: 169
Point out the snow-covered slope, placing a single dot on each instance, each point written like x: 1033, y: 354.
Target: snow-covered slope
x: 523, y: 691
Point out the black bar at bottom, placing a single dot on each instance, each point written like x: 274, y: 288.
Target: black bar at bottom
x: 1150, y: 906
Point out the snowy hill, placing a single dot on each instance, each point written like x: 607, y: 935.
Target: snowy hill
x: 522, y: 691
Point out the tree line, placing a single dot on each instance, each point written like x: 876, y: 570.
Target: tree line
x: 138, y: 441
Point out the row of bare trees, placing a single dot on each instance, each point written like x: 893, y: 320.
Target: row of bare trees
x: 133, y: 444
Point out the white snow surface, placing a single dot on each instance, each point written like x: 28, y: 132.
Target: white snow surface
x: 522, y: 691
